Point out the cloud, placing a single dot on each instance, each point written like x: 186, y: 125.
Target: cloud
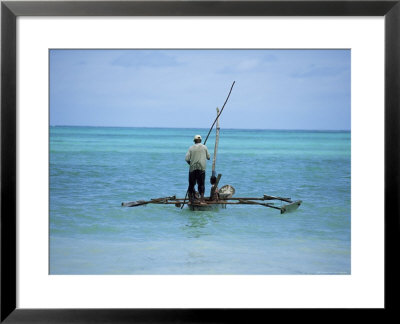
x: 320, y: 71
x: 249, y: 63
x: 145, y: 58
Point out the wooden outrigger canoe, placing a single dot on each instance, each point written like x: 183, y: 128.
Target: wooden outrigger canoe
x: 224, y: 194
x: 287, y: 205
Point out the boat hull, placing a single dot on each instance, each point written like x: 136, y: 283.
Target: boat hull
x: 198, y: 207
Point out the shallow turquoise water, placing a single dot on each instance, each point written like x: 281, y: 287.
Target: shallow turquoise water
x: 94, y: 169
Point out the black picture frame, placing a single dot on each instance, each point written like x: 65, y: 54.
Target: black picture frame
x: 10, y: 10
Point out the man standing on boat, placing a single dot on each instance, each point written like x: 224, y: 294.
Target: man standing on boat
x: 196, y: 158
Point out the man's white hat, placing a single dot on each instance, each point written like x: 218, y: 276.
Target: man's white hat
x: 197, y: 137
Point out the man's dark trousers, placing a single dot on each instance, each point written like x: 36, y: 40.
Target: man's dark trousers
x: 196, y: 176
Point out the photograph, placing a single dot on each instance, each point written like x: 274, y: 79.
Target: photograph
x: 199, y: 161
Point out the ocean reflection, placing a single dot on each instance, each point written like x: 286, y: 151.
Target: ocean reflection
x: 198, y: 223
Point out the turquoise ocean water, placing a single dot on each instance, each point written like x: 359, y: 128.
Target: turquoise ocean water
x: 94, y: 169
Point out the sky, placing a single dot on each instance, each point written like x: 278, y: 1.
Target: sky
x: 274, y: 89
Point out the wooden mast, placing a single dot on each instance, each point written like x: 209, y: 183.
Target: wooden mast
x: 216, y: 145
x: 215, y: 180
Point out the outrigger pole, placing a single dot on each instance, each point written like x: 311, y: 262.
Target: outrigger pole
x: 210, y: 132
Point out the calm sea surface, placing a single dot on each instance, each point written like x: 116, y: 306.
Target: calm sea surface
x: 94, y: 169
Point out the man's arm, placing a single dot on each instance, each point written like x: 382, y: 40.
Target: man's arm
x: 208, y: 154
x: 187, y: 157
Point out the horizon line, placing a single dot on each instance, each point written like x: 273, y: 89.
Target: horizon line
x: 228, y: 128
